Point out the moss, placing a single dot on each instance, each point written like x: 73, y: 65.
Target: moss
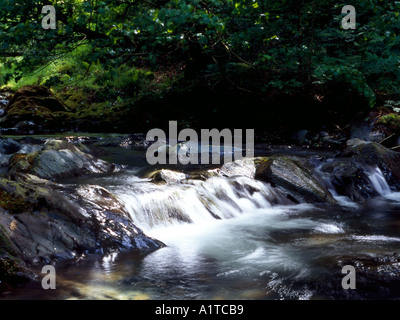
x: 11, y: 269
x: 13, y: 204
x: 21, y: 162
x: 9, y: 263
x: 75, y: 98
x: 17, y: 197
x: 391, y: 120
x: 5, y: 243
x: 34, y: 103
x: 8, y: 267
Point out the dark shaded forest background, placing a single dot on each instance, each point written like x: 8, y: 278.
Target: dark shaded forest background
x: 276, y: 66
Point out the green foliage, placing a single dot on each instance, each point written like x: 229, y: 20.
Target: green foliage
x: 290, y: 45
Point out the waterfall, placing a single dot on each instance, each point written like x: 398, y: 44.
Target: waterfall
x: 153, y: 205
x: 378, y: 181
x: 194, y: 201
x: 371, y: 175
x: 344, y: 201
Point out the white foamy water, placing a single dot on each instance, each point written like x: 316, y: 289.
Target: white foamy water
x: 195, y: 201
x: 373, y: 238
x: 379, y: 182
x: 329, y: 228
x: 395, y: 196
x: 343, y: 200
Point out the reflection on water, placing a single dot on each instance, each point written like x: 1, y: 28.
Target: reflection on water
x: 292, y: 252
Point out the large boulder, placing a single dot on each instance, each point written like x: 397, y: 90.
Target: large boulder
x: 59, y: 159
x: 294, y: 177
x: 376, y: 155
x: 35, y: 104
x: 348, y: 178
x: 360, y: 171
x: 8, y: 147
x: 42, y: 222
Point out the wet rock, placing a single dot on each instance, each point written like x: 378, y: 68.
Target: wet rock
x: 242, y: 167
x: 376, y: 155
x: 32, y: 140
x: 293, y: 177
x: 51, y: 222
x: 136, y: 141
x: 349, y: 178
x: 356, y: 173
x: 167, y: 176
x: 9, y: 146
x: 12, y: 268
x: 355, y: 142
x: 376, y: 273
x: 59, y: 159
x: 4, y: 159
x: 330, y: 141
x: 28, y: 148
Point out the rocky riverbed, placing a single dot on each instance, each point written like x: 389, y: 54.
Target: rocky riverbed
x: 52, y: 210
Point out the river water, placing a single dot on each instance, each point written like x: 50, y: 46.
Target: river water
x: 227, y: 238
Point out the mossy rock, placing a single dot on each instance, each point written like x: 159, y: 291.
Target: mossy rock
x: 391, y: 121
x: 21, y: 162
x: 11, y: 203
x: 59, y: 159
x: 35, y: 96
x: 17, y: 197
x: 37, y: 104
x: 8, y: 263
x: 12, y: 269
x: 75, y: 99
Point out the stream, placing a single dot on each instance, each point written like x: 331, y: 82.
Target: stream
x: 227, y: 238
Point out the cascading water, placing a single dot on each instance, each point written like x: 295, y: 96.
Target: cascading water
x: 326, y: 179
x: 378, y: 181
x: 237, y: 238
x: 194, y: 201
x: 374, y: 175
